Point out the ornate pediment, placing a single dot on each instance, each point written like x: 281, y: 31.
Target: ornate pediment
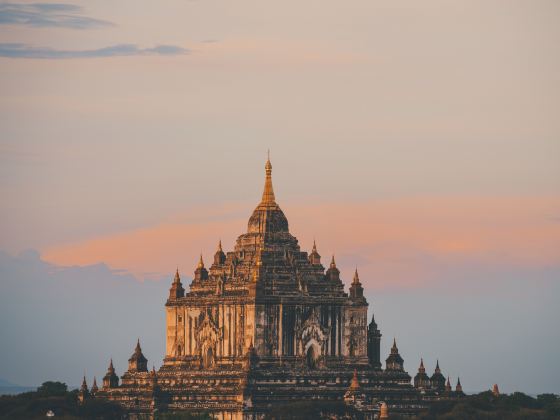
x: 312, y: 332
x: 207, y: 334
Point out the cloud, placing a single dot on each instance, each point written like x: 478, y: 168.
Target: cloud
x: 394, y: 242
x: 48, y: 15
x: 58, y: 321
x: 77, y: 316
x: 18, y: 50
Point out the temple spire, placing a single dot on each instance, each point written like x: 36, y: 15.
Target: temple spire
x: 373, y: 324
x: 268, y: 193
x: 458, y: 387
x: 94, y: 387
x: 314, y: 257
x: 200, y: 262
x: 219, y: 256
x: 355, y: 384
x: 356, y: 279
x: 448, y: 385
x: 176, y: 291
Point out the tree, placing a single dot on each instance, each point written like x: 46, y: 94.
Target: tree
x: 52, y: 389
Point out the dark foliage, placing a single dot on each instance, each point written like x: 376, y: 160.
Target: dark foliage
x: 485, y: 406
x: 313, y: 410
x: 52, y: 389
x: 55, y: 396
x: 183, y: 416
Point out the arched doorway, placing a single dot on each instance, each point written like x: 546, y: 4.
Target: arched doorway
x: 312, y: 356
x: 208, y: 358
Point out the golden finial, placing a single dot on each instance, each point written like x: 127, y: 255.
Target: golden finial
x: 383, y: 411
x: 220, y: 245
x: 333, y: 264
x: 314, y: 246
x: 356, y: 277
x: 268, y: 193
x: 200, y: 262
x: 355, y: 384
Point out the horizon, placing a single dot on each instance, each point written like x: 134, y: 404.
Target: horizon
x: 417, y: 143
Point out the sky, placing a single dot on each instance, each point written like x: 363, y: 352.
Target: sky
x: 416, y: 141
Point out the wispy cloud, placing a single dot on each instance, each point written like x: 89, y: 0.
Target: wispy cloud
x: 48, y: 15
x: 17, y: 50
x: 399, y: 242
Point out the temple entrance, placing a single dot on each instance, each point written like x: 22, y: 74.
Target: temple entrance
x: 208, y: 358
x: 312, y: 357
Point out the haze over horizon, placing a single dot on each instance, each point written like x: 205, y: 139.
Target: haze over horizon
x: 416, y: 142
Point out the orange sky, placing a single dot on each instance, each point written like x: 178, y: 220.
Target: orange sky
x: 391, y: 241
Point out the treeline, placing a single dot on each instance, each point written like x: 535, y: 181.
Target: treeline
x: 487, y: 406
x: 55, y: 397
x: 483, y: 406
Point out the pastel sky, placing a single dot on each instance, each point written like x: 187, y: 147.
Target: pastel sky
x: 418, y: 141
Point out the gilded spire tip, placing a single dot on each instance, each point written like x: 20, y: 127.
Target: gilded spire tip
x: 268, y: 193
x: 200, y: 262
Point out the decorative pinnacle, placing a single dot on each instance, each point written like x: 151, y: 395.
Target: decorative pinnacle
x: 177, y: 279
x: 200, y: 262
x: 356, y: 279
x: 314, y: 247
x: 220, y: 245
x: 268, y: 193
x: 394, y: 349
x: 333, y: 264
x: 355, y: 384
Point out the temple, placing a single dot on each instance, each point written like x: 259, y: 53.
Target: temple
x: 264, y: 325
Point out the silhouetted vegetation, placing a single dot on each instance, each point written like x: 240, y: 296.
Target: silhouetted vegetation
x: 183, y: 416
x: 55, y: 396
x: 486, y: 406
x: 313, y: 410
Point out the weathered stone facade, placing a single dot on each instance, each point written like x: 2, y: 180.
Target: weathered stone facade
x: 265, y: 325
